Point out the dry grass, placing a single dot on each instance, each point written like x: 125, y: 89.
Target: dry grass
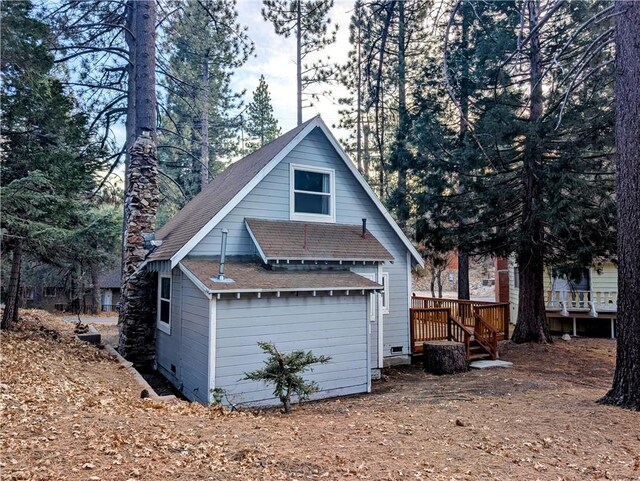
x: 70, y: 412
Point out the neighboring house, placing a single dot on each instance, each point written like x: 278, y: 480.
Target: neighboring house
x: 585, y: 306
x: 301, y: 271
x: 110, y: 283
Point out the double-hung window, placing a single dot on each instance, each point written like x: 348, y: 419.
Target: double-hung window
x: 312, y: 194
x: 385, y: 293
x: 164, y: 303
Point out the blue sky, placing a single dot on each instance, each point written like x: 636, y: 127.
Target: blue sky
x: 275, y: 59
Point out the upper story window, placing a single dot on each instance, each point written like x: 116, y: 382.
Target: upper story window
x: 312, y: 194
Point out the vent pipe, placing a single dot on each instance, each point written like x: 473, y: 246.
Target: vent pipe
x: 364, y: 228
x: 223, y: 254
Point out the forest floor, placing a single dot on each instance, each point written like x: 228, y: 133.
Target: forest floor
x: 69, y: 411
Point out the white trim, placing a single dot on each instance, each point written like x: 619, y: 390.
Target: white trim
x: 212, y: 347
x: 316, y: 122
x: 294, y: 289
x: 198, y: 283
x: 229, y: 206
x: 380, y: 324
x: 416, y: 255
x: 367, y: 330
x: 308, y: 217
x: 161, y: 325
x: 387, y: 297
x: 255, y: 242
x: 372, y: 298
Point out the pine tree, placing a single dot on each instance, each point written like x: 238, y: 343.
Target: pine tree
x: 536, y: 158
x: 261, y: 126
x: 204, y: 44
x: 49, y: 157
x: 308, y: 21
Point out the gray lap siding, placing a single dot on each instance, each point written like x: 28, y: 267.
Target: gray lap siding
x: 327, y: 325
x: 187, y: 347
x: 270, y: 200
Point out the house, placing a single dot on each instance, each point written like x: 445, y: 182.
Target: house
x: 288, y: 245
x: 585, y: 305
x: 110, y: 283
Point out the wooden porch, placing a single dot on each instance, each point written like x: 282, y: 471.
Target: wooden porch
x: 478, y: 325
x: 577, y: 305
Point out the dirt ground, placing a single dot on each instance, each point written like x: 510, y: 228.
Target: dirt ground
x: 70, y: 412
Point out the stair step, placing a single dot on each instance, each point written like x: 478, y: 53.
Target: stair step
x: 477, y: 357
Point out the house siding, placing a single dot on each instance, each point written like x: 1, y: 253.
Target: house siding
x: 187, y: 347
x: 327, y: 325
x: 270, y: 199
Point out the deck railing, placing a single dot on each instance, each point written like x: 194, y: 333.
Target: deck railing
x: 604, y: 301
x: 486, y: 335
x: 495, y: 313
x: 436, y: 324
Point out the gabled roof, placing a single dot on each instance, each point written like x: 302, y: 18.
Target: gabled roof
x: 290, y: 240
x: 189, y: 226
x: 110, y: 279
x: 215, y: 196
x: 253, y: 277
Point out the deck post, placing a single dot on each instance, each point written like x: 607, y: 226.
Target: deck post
x: 613, y: 332
x: 575, y: 331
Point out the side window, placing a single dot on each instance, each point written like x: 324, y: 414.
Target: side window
x: 516, y: 277
x: 164, y: 303
x: 312, y: 194
x: 385, y: 293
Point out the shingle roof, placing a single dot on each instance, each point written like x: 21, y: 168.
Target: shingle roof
x: 278, y: 239
x: 110, y: 279
x: 253, y: 277
x: 202, y: 208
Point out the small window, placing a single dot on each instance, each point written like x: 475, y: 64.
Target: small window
x: 516, y: 277
x: 49, y: 292
x: 385, y: 293
x: 164, y: 304
x: 312, y: 194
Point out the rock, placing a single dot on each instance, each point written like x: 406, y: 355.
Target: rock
x: 566, y: 337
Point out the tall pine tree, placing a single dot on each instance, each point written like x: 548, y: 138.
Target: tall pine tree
x: 261, y: 126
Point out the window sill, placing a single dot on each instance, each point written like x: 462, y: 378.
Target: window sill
x: 164, y: 327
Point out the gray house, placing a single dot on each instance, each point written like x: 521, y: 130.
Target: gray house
x: 301, y: 268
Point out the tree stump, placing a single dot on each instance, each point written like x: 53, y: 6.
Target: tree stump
x: 444, y: 357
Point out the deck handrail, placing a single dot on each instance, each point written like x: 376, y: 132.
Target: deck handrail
x: 456, y: 331
x: 463, y: 310
x: 486, y: 335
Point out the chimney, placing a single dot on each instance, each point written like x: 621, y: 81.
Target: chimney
x: 364, y: 228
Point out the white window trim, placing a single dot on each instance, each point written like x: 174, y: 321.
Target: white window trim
x: 373, y: 298
x: 164, y: 326
x: 332, y: 195
x: 385, y: 292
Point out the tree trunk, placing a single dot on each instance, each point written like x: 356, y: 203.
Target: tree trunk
x: 463, y: 275
x: 95, y: 289
x: 439, y: 282
x: 463, y: 122
x: 444, y: 357
x: 532, y: 324
x: 11, y: 302
x: 204, y: 126
x: 137, y: 306
x: 145, y: 67
x: 403, y: 122
x: 626, y: 381
x: 299, y: 59
x: 359, y: 161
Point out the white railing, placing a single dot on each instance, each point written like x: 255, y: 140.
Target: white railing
x: 595, y: 301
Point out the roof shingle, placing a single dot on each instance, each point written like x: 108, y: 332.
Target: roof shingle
x: 291, y: 240
x: 253, y: 277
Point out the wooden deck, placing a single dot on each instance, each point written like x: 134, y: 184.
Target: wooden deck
x: 477, y: 324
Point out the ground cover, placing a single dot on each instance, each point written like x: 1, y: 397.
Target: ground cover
x: 70, y: 412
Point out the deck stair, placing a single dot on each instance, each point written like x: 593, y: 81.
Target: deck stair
x: 478, y: 325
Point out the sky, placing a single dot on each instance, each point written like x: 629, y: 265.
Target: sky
x: 274, y: 57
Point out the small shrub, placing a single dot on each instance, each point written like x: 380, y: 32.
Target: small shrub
x: 284, y: 371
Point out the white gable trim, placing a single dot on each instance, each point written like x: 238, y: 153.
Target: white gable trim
x: 182, y: 253
x: 416, y: 255
x: 316, y: 122
x: 263, y: 256
x: 198, y: 283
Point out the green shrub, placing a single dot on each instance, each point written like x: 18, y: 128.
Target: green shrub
x: 284, y: 372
